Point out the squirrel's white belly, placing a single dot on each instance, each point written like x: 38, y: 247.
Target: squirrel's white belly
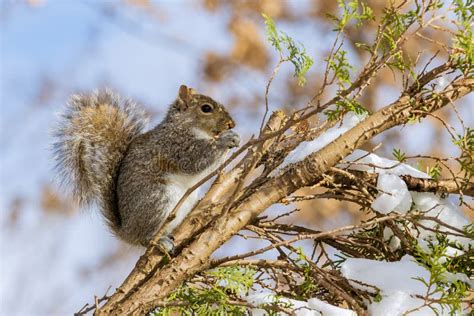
x: 178, y: 185
x: 175, y: 191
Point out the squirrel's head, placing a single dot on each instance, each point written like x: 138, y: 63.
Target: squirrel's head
x: 200, y: 112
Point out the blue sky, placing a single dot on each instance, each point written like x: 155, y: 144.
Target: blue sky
x: 59, y: 48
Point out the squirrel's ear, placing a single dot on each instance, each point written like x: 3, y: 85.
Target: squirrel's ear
x: 184, y: 97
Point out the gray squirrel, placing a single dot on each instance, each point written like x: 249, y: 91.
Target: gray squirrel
x: 138, y: 178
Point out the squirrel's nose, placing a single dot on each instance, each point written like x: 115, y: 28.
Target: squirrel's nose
x: 230, y: 124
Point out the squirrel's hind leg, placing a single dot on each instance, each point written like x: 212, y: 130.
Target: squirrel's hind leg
x: 166, y: 244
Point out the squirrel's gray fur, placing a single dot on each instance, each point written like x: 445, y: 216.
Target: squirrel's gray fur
x: 137, y: 178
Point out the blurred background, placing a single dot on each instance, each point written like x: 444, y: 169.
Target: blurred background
x: 55, y: 256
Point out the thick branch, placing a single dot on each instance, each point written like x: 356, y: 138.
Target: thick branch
x: 195, y: 258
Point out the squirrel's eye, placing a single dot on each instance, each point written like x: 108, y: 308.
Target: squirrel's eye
x: 206, y: 108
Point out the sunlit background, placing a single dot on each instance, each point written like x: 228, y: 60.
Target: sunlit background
x: 55, y: 256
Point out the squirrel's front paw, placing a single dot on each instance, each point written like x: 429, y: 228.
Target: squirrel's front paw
x: 229, y: 139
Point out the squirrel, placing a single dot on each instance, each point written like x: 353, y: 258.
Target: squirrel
x: 137, y: 177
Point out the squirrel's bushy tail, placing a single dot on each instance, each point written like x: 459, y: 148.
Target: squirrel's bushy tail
x: 91, y: 140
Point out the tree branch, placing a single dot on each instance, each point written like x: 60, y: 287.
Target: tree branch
x: 413, y: 183
x: 195, y: 257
